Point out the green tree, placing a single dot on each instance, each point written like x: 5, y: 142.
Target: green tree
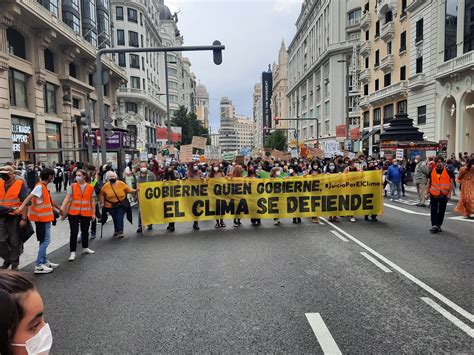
x: 277, y: 140
x: 189, y: 124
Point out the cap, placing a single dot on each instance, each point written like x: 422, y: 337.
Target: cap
x: 7, y: 169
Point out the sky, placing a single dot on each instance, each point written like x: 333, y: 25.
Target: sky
x: 251, y: 30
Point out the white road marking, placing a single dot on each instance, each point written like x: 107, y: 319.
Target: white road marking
x: 322, y: 333
x: 461, y: 218
x: 456, y: 321
x: 409, y: 276
x: 406, y: 210
x: 339, y: 236
x: 376, y: 262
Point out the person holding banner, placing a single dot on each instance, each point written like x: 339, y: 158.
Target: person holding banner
x: 194, y: 174
x: 292, y: 171
x: 236, y: 173
x: 353, y: 167
x: 315, y: 169
x: 144, y: 175
x: 275, y: 173
x: 217, y: 173
x: 252, y: 174
x: 170, y: 175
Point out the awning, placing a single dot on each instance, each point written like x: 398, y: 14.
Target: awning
x: 367, y: 135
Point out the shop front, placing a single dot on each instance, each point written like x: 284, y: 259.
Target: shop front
x: 22, y: 139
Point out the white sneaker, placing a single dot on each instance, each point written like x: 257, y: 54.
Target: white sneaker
x: 88, y: 251
x: 73, y: 256
x: 352, y: 219
x: 52, y: 265
x: 43, y: 269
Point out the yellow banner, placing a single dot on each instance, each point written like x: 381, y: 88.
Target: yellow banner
x: 348, y: 194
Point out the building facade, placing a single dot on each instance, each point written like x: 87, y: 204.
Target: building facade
x: 202, y: 105
x: 385, y: 66
x: 47, y: 54
x: 245, y: 129
x: 280, y: 88
x: 141, y: 102
x: 228, y: 139
x: 322, y: 65
x: 258, y: 115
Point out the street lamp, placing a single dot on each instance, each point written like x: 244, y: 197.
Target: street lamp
x: 168, y: 120
x: 346, y: 83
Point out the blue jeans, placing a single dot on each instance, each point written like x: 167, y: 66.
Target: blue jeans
x: 117, y: 215
x: 395, y: 189
x: 42, y: 259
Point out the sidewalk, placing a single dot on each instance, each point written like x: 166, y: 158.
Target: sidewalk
x: 453, y: 198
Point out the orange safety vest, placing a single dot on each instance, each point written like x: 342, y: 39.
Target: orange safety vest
x: 42, y: 212
x: 81, y: 201
x: 440, y: 184
x: 11, y: 198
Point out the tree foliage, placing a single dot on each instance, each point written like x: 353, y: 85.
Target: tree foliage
x: 189, y: 124
x: 277, y: 140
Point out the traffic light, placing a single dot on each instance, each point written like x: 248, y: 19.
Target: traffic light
x: 276, y: 118
x: 85, y: 121
x: 217, y: 53
x: 109, y: 127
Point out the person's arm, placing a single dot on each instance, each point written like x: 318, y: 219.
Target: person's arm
x: 27, y: 200
x: 101, y: 198
x: 93, y: 203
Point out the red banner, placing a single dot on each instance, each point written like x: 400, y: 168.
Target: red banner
x: 354, y: 133
x: 162, y: 134
x: 341, y: 131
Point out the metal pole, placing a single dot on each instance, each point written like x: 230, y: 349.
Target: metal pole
x: 297, y: 124
x: 99, y: 90
x: 347, y: 99
x: 168, y: 121
x: 89, y: 132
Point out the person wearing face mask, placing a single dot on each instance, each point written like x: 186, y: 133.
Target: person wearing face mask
x: 41, y: 212
x: 13, y: 192
x: 439, y: 189
x: 394, y: 178
x: 170, y: 175
x: 217, y: 173
x: 292, y: 173
x: 421, y: 179
x: 194, y: 173
x: 113, y: 200
x: 31, y: 177
x: 314, y: 171
x: 334, y: 168
x: 275, y: 173
x: 144, y: 175
x: 79, y: 206
x: 22, y: 326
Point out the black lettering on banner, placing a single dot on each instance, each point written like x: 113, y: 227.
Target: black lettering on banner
x: 208, y: 211
x: 178, y: 213
x: 330, y: 204
x: 247, y: 188
x: 149, y: 193
x: 168, y: 209
x: 225, y: 207
x: 203, y: 190
x: 197, y: 208
x: 242, y: 207
x: 277, y: 188
x: 260, y: 188
x: 273, y: 205
x: 344, y: 202
x: 356, y: 201
x: 367, y: 201
x: 303, y: 203
x: 298, y: 185
x: 261, y: 205
x: 186, y: 191
x: 291, y: 204
x: 315, y: 203
x: 165, y: 191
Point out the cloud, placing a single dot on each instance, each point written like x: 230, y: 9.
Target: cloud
x: 286, y: 5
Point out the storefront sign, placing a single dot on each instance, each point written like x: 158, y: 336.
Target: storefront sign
x: 20, y: 134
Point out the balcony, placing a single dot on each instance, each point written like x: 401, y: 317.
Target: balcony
x: 364, y: 75
x: 140, y: 95
x: 387, y: 31
x: 364, y: 102
x: 365, y: 49
x: 386, y: 64
x: 415, y: 4
x: 390, y: 93
x: 365, y: 21
x: 417, y: 81
x: 456, y: 66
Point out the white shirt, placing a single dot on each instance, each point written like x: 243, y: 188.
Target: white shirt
x: 38, y: 193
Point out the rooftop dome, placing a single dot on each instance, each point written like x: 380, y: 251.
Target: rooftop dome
x: 165, y: 13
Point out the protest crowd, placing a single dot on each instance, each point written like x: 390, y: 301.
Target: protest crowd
x: 93, y: 194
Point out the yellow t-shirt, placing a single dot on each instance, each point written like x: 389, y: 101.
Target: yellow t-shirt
x: 121, y: 189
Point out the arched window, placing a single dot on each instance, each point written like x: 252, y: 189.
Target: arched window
x: 48, y: 60
x: 16, y: 43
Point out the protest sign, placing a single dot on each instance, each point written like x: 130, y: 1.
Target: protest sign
x: 229, y: 156
x: 239, y: 159
x: 186, y: 153
x: 399, y: 154
x: 199, y: 142
x: 212, y: 152
x: 357, y: 193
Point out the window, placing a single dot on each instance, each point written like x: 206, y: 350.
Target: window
x: 389, y: 47
x: 403, y: 41
x: 135, y: 82
x: 419, y: 31
x: 366, y: 89
x: 72, y: 70
x: 367, y: 35
x: 404, y: 8
x: 132, y: 39
x: 141, y: 41
x: 143, y: 63
x: 49, y: 98
x: 377, y: 116
x: 419, y: 65
x: 366, y: 62
x: 134, y: 61
x: 53, y: 7
x: 421, y: 115
x: 121, y: 60
x: 450, y: 31
x: 48, y: 60
x: 469, y: 26
x: 353, y: 17
x: 120, y: 37
x: 388, y: 16
x: 387, y: 113
x: 53, y: 135
x: 377, y: 29
x: 366, y: 7
x: 402, y: 106
x: 131, y: 107
x: 132, y: 15
x: 141, y: 19
x: 403, y: 73
x: 72, y: 21
x: 143, y: 83
x: 76, y: 103
x: 377, y: 58
x: 75, y: 5
x: 376, y: 84
x: 119, y: 13
x: 17, y: 88
x: 16, y: 43
x: 387, y: 80
x: 366, y: 118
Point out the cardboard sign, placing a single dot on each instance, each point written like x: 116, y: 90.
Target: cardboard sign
x: 186, y: 153
x: 239, y: 159
x: 229, y: 156
x: 199, y: 142
x: 212, y: 152
x: 399, y: 155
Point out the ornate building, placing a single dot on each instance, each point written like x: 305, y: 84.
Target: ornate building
x: 280, y: 88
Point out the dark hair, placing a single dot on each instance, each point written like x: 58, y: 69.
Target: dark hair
x: 13, y: 285
x: 46, y: 173
x: 470, y: 163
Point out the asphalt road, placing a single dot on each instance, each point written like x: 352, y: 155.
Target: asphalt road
x: 288, y: 289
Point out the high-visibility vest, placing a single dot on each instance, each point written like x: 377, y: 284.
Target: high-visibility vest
x: 42, y: 212
x: 11, y: 198
x: 440, y: 184
x: 81, y: 201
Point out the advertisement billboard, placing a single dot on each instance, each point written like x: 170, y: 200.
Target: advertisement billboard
x: 162, y: 135
x: 267, y: 87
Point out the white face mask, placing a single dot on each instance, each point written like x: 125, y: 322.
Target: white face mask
x: 79, y: 179
x: 291, y: 171
x: 195, y: 168
x: 216, y: 168
x: 277, y: 173
x: 143, y: 170
x: 41, y: 343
